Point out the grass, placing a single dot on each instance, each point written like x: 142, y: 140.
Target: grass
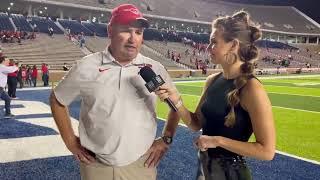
x: 297, y: 129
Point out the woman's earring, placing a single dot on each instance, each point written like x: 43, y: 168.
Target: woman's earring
x: 231, y: 58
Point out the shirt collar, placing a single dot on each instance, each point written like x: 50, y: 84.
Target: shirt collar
x: 108, y: 58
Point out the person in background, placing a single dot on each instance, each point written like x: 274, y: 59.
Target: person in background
x: 65, y: 68
x: 19, y: 77
x: 23, y: 74
x: 29, y: 76
x: 82, y: 39
x: 12, y: 81
x: 34, y: 75
x: 5, y: 69
x: 45, y: 74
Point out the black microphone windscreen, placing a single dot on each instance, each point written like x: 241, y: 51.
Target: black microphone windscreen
x: 147, y: 73
x: 153, y: 82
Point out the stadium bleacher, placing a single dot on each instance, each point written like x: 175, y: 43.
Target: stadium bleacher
x: 43, y: 25
x: 99, y: 28
x: 5, y: 23
x: 282, y: 18
x: 54, y: 51
x: 75, y: 27
x: 21, y: 23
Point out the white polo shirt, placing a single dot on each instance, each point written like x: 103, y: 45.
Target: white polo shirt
x: 117, y: 114
x: 4, y: 71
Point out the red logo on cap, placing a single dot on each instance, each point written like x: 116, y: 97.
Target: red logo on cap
x: 133, y: 10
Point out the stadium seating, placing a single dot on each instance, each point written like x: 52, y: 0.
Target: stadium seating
x: 96, y: 44
x: 167, y: 63
x: 283, y: 18
x: 5, y: 23
x: 75, y: 27
x: 274, y: 44
x: 21, y: 23
x: 44, y: 49
x: 43, y: 25
x: 82, y: 2
x: 162, y: 48
x: 99, y: 29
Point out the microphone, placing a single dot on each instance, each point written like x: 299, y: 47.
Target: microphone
x: 154, y: 81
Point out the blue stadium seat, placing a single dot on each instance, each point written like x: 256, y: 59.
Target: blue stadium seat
x: 21, y: 22
x: 5, y: 23
x: 75, y: 27
x: 98, y: 28
x: 43, y: 25
x: 274, y: 44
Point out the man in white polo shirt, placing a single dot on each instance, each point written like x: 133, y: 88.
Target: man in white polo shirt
x: 5, y: 69
x: 117, y: 125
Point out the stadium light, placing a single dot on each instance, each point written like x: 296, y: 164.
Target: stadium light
x: 11, y: 4
x: 182, y: 25
x: 40, y: 12
x: 45, y: 8
x: 9, y: 8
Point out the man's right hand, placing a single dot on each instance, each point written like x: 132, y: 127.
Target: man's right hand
x: 80, y: 153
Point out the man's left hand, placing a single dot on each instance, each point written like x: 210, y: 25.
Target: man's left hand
x: 156, y: 152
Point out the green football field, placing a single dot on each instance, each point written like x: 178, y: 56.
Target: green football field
x: 296, y: 109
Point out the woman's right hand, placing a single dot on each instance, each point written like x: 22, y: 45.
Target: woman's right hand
x: 164, y: 92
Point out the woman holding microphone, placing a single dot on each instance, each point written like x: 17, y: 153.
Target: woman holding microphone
x: 233, y: 104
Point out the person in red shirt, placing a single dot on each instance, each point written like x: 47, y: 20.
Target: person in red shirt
x: 45, y: 74
x: 24, y: 74
x: 12, y: 81
x: 34, y: 75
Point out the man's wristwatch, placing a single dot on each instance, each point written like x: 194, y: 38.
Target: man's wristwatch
x: 167, y: 139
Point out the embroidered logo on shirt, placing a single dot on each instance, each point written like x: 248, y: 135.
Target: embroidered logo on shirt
x: 143, y: 65
x: 102, y: 70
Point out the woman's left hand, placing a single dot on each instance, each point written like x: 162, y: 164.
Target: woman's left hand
x: 204, y: 142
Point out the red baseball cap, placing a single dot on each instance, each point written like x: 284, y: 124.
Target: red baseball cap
x: 126, y: 14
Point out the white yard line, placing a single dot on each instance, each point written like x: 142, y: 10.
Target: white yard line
x: 293, y: 87
x: 298, y: 157
x: 275, y: 77
x: 34, y: 88
x: 263, y: 85
x: 293, y: 109
x: 274, y: 92
x: 292, y: 94
x: 272, y: 106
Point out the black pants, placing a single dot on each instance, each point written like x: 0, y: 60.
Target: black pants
x: 45, y: 79
x: 34, y: 81
x: 222, y: 168
x: 12, y: 86
x: 20, y: 81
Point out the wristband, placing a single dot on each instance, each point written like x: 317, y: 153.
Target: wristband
x: 179, y: 104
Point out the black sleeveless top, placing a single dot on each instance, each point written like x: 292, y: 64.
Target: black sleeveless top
x: 214, y: 110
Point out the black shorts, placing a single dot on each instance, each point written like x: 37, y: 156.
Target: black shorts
x: 222, y: 168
